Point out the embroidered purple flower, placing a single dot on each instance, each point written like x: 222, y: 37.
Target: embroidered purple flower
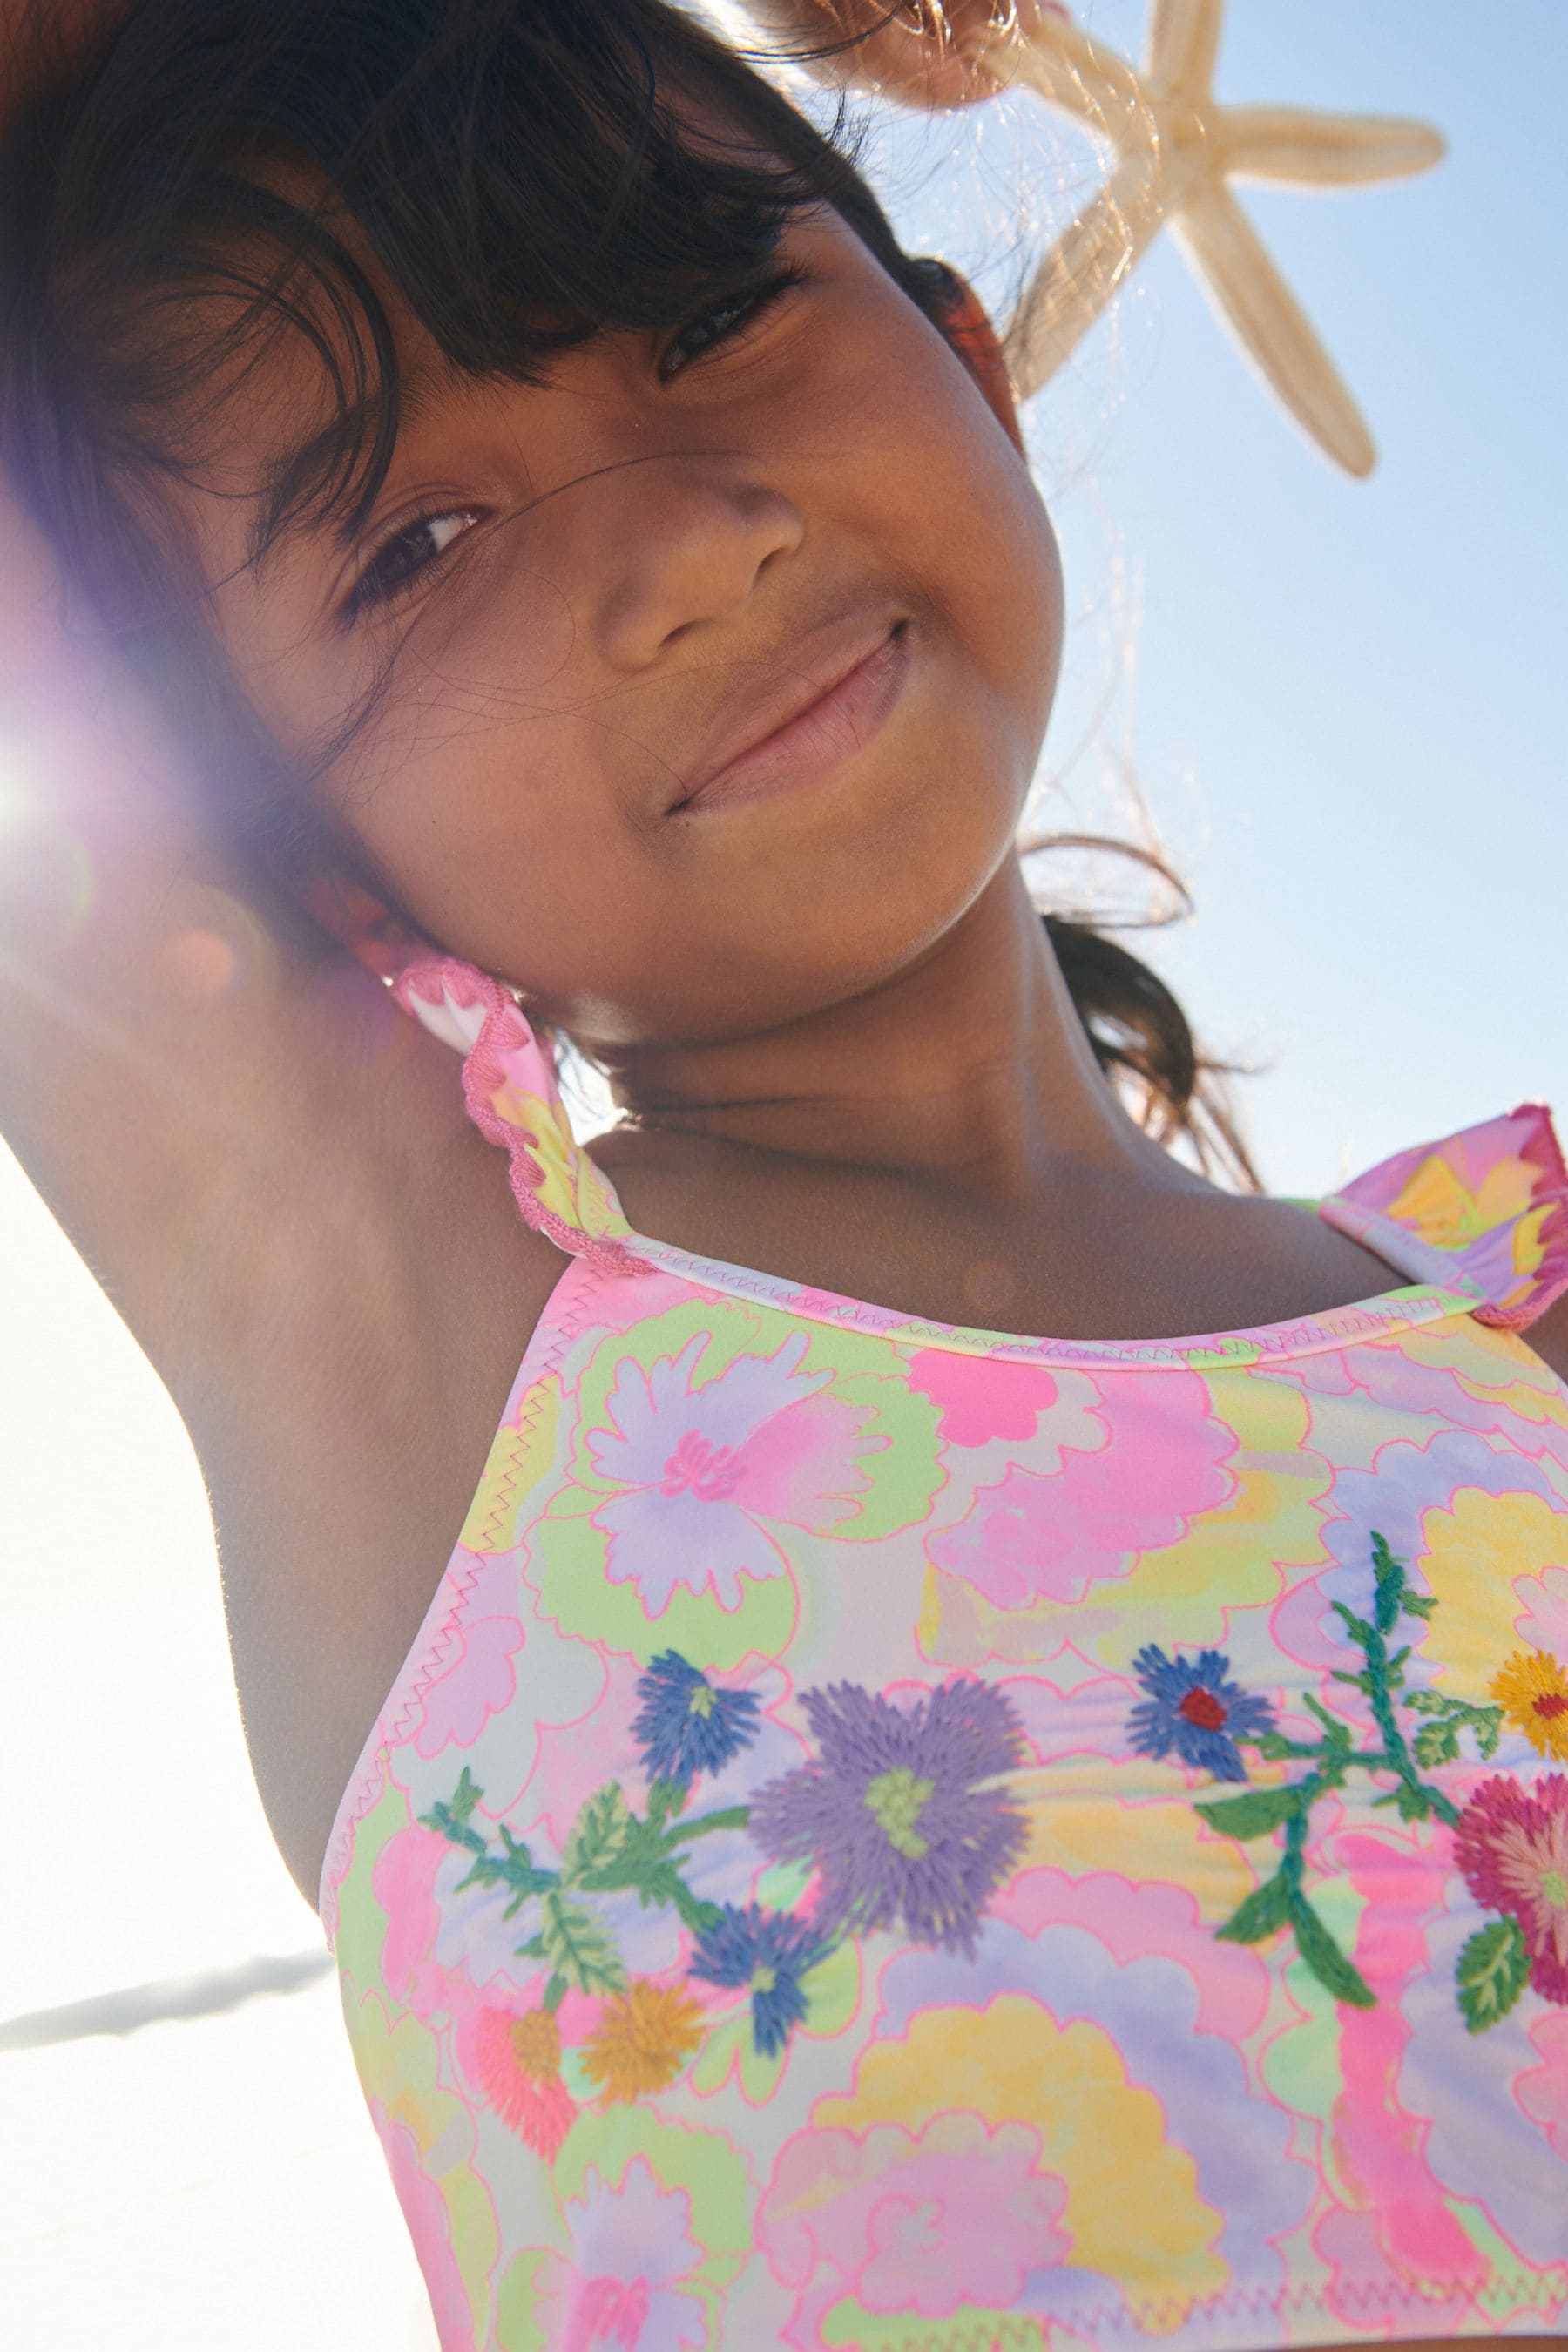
x: 1512, y: 1845
x: 896, y: 1813
x: 686, y: 1724
x: 1194, y: 1708
x: 769, y: 1951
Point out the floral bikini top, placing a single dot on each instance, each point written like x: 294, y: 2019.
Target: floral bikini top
x: 896, y: 1837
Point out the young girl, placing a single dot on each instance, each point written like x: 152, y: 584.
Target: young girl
x: 891, y: 1830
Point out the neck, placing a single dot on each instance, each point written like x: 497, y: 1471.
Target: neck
x: 969, y: 1072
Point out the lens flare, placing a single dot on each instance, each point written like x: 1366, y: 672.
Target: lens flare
x: 198, y: 965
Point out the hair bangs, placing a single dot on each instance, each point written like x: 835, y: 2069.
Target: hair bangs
x: 516, y: 179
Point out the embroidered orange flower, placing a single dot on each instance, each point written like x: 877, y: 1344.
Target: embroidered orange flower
x: 520, y: 2066
x: 1533, y: 1692
x: 643, y: 2039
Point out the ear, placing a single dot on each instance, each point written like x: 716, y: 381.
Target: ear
x: 353, y: 916
x: 966, y: 324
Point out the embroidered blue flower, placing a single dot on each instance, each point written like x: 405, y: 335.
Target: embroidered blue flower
x: 686, y: 1724
x: 1194, y: 1708
x: 896, y: 1813
x: 769, y: 1951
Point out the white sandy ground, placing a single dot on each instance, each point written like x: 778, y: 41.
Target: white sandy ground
x: 204, y: 2183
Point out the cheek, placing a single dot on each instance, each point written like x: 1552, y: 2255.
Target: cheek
x: 984, y: 547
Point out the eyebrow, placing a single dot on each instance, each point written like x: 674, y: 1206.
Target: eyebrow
x: 279, y: 515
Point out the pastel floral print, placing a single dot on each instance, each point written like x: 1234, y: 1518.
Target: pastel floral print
x: 621, y: 2287
x: 898, y: 1838
x: 1194, y: 1707
x: 1532, y: 1691
x: 1031, y: 1536
x: 703, y: 1469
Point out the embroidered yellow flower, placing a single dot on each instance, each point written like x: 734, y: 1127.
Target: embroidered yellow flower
x: 1533, y: 1692
x: 643, y: 2039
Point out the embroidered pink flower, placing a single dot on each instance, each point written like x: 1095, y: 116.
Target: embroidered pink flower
x: 1511, y: 1844
x: 519, y: 2061
x: 620, y: 2286
x: 705, y: 1468
x: 1039, y: 1534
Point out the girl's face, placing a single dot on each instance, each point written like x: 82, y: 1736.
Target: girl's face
x: 580, y: 597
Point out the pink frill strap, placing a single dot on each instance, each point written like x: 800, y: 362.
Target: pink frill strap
x: 1489, y: 1205
x: 514, y: 1099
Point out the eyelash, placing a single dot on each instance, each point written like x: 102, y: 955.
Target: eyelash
x: 750, y: 304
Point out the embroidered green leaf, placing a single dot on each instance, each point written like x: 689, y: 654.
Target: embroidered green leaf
x: 453, y: 1821
x: 1437, y: 1741
x: 1265, y: 1909
x: 1418, y: 1604
x: 1388, y: 1579
x: 1254, y: 1815
x: 1327, y: 1962
x: 1410, y: 1800
x: 1360, y: 1632
x: 577, y: 1947
x: 598, y: 1834
x: 1336, y: 1735
x: 1491, y: 1971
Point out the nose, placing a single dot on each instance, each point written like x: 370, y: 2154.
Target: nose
x: 691, y: 544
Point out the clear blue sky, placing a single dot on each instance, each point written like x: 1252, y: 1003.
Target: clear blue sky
x: 1345, y: 707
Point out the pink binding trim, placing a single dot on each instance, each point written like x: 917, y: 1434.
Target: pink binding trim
x: 505, y: 1029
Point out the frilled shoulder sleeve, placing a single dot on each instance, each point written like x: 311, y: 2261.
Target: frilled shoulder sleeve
x: 1484, y: 1210
x: 513, y: 1097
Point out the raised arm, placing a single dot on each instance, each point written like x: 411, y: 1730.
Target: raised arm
x: 160, y: 1025
x: 227, y: 1114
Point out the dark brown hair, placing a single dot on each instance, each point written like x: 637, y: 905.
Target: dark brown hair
x: 525, y: 178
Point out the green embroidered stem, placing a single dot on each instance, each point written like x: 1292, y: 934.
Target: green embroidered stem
x: 1383, y: 1676
x: 609, y: 1851
x: 1492, y: 1971
x: 734, y: 1817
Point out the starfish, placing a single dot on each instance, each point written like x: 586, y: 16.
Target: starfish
x: 1176, y: 150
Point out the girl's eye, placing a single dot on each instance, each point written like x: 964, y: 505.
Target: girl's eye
x: 403, y: 558
x: 720, y: 324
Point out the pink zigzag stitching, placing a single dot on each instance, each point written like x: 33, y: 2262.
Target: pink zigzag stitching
x: 483, y: 1074
x: 1162, y: 2314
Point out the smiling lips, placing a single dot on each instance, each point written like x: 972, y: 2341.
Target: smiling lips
x: 824, y: 710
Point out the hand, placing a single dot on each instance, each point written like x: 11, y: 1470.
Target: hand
x: 914, y: 57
